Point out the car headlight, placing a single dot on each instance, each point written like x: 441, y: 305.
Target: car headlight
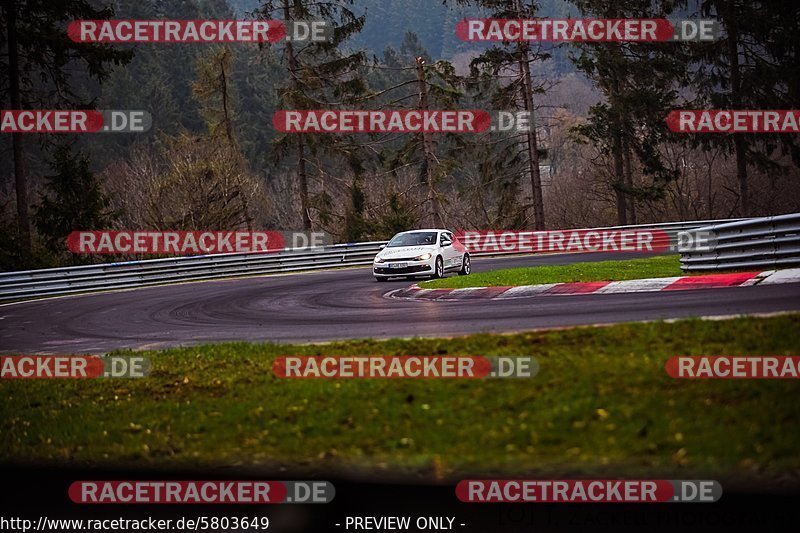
x: 423, y: 257
x: 379, y: 260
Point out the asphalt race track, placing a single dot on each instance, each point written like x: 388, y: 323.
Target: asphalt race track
x: 339, y: 304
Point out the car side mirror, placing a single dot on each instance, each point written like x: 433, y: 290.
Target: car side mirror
x: 445, y: 244
x: 381, y: 247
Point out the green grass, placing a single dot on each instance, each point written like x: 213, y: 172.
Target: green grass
x: 652, y: 267
x: 601, y: 403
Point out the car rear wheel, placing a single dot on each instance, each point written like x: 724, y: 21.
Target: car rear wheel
x: 466, y: 266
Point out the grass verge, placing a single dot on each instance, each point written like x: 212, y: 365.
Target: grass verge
x: 602, y: 403
x: 661, y: 266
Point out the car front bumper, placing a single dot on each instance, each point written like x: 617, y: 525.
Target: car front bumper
x: 411, y: 268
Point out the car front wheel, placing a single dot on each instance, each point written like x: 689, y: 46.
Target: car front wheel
x: 439, y: 269
x: 466, y: 266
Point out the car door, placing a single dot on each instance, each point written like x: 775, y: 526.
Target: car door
x: 450, y: 255
x: 457, y: 250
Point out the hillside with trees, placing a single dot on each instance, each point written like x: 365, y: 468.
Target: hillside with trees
x: 600, y: 154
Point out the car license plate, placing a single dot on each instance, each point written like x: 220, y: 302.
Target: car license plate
x: 398, y: 265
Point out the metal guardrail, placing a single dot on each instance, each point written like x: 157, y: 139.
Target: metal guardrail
x: 131, y: 274
x: 768, y: 242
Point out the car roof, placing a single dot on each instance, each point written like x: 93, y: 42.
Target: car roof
x: 424, y: 230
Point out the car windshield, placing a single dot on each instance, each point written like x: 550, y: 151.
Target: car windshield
x: 419, y: 238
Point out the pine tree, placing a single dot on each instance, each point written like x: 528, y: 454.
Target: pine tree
x: 40, y: 63
x: 511, y: 63
x: 412, y: 81
x: 639, y: 82
x: 73, y: 200
x: 753, y: 65
x: 213, y: 89
x: 319, y: 75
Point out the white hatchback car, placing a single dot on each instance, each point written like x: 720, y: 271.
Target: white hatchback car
x: 424, y: 252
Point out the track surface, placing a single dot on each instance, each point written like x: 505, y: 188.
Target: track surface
x: 340, y: 304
